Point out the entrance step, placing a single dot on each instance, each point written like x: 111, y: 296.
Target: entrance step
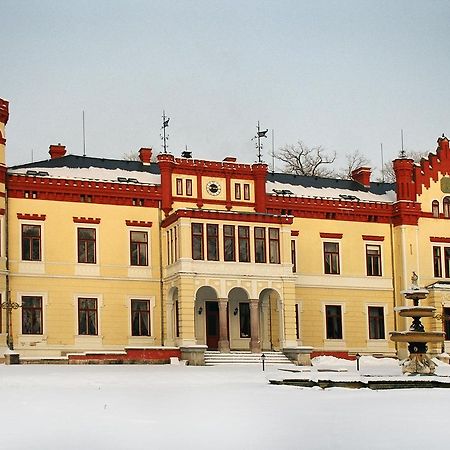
x: 244, y: 357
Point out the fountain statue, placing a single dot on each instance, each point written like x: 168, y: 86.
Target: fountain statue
x: 418, y: 361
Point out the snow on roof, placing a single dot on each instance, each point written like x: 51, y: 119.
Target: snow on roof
x: 92, y: 173
x: 275, y: 187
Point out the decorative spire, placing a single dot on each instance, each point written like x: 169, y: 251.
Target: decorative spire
x: 259, y: 134
x: 164, y: 136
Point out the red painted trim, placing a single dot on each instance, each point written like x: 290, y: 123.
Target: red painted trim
x: 25, y: 216
x: 72, y: 190
x: 341, y: 355
x: 132, y: 354
x: 199, y: 190
x: 295, y: 233
x: 4, y: 111
x: 2, y: 211
x: 2, y: 139
x: 445, y: 240
x: 227, y: 216
x: 331, y: 235
x: 86, y: 220
x: 2, y: 174
x: 368, y: 237
x: 138, y: 223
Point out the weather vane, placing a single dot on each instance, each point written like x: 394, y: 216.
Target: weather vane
x: 259, y: 134
x: 164, y: 136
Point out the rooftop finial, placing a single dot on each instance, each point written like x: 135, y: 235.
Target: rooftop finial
x: 259, y: 134
x: 164, y: 136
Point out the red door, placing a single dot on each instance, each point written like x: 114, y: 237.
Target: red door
x: 212, y: 325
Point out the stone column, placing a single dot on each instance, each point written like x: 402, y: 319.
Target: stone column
x: 224, y: 343
x: 255, y: 341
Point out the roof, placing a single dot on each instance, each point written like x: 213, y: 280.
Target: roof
x: 331, y: 188
x: 84, y: 167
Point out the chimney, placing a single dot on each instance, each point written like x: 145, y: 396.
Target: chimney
x: 230, y: 159
x: 57, y: 151
x: 145, y: 155
x: 362, y: 176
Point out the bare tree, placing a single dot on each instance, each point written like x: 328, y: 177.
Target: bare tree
x: 353, y: 161
x: 132, y: 155
x: 303, y: 160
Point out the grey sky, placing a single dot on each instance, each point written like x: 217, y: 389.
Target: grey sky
x: 344, y: 74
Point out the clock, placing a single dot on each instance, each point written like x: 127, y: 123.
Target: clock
x: 213, y: 188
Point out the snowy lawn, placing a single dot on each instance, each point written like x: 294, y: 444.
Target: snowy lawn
x: 221, y: 407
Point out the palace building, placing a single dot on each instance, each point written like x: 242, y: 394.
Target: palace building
x: 143, y: 260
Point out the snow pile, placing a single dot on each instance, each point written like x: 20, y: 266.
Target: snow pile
x: 329, y: 193
x: 332, y: 364
x: 95, y: 174
x: 370, y: 366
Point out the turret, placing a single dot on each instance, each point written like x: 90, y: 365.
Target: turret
x: 4, y: 116
x: 403, y: 169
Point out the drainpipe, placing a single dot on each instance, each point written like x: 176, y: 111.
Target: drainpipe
x: 161, y: 287
x: 9, y: 338
x: 394, y: 283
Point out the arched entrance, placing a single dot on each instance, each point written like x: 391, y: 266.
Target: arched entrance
x: 239, y: 319
x: 172, y: 317
x: 207, y: 317
x: 271, y: 319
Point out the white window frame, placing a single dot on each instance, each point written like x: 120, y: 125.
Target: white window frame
x: 324, y: 314
x: 385, y: 313
x: 152, y: 317
x: 31, y: 266
x: 341, y: 269
x: 379, y: 244
x: 33, y: 337
x: 99, y: 298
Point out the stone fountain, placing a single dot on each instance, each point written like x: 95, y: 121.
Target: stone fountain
x: 418, y: 361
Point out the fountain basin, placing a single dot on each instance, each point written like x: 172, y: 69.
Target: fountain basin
x: 415, y: 311
x: 417, y: 336
x: 415, y: 293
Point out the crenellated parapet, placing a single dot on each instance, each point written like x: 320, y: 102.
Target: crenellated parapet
x: 4, y: 111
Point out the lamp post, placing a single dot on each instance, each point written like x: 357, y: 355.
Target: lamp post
x: 263, y: 359
x: 357, y: 356
x: 8, y: 305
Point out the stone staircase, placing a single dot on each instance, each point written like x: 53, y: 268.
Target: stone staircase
x: 245, y: 357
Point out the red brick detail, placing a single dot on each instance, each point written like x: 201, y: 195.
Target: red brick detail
x: 331, y: 235
x: 223, y: 215
x: 138, y: 223
x: 145, y: 155
x: 368, y: 237
x: 445, y: 240
x: 406, y: 213
x: 200, y: 202
x: 260, y: 174
x: 2, y: 177
x: 295, y: 233
x: 362, y: 176
x: 57, y: 151
x: 138, y: 355
x: 404, y: 179
x: 86, y: 220
x: 2, y: 139
x: 4, y: 111
x: 166, y: 164
x: 341, y: 355
x: 25, y: 216
x: 105, y: 193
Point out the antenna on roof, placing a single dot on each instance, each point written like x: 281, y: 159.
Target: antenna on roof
x: 382, y: 163
x: 32, y: 156
x: 402, y: 152
x: 84, y: 137
x: 273, y: 151
x: 164, y: 136
x: 259, y: 134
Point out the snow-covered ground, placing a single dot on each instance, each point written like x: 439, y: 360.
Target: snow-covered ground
x: 220, y: 407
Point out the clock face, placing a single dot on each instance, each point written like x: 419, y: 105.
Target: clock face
x: 213, y: 188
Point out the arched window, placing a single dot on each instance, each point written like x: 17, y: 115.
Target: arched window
x: 435, y: 208
x: 446, y: 204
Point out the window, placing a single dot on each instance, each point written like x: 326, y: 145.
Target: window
x: 31, y: 315
x: 293, y: 256
x: 197, y: 241
x: 297, y: 320
x: 140, y: 317
x: 437, y: 263
x: 86, y: 245
x: 179, y: 186
x: 212, y: 241
x: 87, y: 316
x: 246, y: 191
x: 447, y: 261
x: 31, y: 242
x: 333, y: 321
x: 373, y: 260
x: 244, y: 320
x: 177, y: 319
x: 435, y: 208
x: 244, y: 244
x: 274, y: 245
x: 260, y: 245
x: 237, y: 191
x: 331, y: 257
x: 229, y: 243
x: 139, y: 248
x: 376, y: 322
x: 189, y: 187
x: 446, y: 207
x: 446, y: 322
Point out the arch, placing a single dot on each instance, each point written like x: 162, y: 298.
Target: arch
x: 435, y: 208
x: 446, y: 206
x: 206, y: 316
x: 271, y: 319
x: 172, y: 316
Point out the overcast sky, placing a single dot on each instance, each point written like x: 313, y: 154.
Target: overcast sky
x: 347, y: 75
